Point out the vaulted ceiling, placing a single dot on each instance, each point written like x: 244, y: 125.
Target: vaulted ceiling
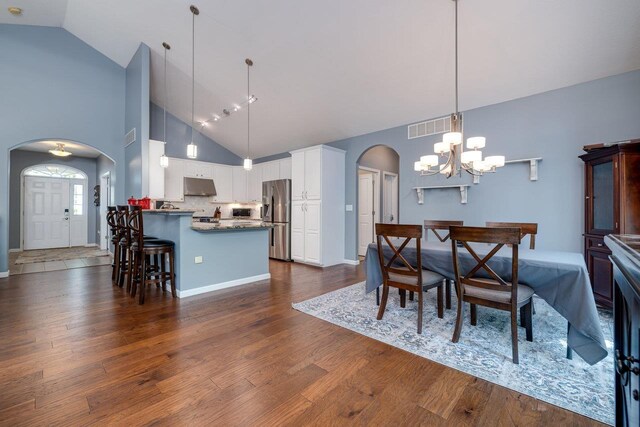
x: 330, y: 69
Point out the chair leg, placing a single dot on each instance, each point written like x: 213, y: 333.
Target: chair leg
x: 378, y: 296
x: 440, y: 302
x: 403, y: 298
x: 474, y: 314
x: 569, y: 351
x: 448, y: 293
x: 410, y: 295
x: 420, y: 303
x: 172, y: 275
x: 383, y: 303
x: 163, y: 271
x: 529, y: 320
x: 459, y: 318
x: 143, y: 278
x: 514, y: 335
x: 132, y: 280
x: 156, y: 263
x: 116, y: 263
x: 523, y: 322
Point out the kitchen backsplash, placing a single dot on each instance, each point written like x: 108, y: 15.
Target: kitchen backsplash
x: 206, y: 207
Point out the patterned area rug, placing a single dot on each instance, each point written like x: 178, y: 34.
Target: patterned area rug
x: 484, y: 350
x: 61, y: 254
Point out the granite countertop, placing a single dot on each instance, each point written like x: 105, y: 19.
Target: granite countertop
x: 171, y: 211
x: 230, y: 226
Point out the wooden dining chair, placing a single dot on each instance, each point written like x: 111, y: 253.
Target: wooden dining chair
x: 494, y: 291
x: 399, y: 273
x: 530, y: 228
x: 437, y: 227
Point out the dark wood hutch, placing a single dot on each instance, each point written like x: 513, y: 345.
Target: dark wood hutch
x: 612, y: 206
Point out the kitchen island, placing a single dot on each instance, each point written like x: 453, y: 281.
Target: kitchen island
x: 211, y: 256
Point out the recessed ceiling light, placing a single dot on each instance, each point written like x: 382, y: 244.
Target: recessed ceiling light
x: 15, y: 11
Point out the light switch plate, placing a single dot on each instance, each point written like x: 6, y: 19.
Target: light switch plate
x: 349, y: 208
x: 198, y: 260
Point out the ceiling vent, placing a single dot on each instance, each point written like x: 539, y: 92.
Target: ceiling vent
x: 130, y: 137
x: 430, y: 127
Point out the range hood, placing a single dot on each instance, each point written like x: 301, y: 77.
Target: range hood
x: 199, y: 187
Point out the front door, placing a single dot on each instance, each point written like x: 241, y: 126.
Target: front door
x: 46, y: 212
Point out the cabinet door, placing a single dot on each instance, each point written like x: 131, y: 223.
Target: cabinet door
x: 174, y: 181
x: 270, y: 171
x: 156, y: 172
x: 223, y: 180
x: 312, y: 239
x: 254, y: 184
x: 285, y: 168
x: 602, y: 215
x: 297, y: 231
x: 239, y: 184
x: 313, y: 173
x: 297, y: 175
x: 601, y: 272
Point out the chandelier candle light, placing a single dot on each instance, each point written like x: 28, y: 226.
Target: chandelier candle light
x: 192, y: 148
x: 248, y: 163
x: 164, y: 160
x: 452, y: 147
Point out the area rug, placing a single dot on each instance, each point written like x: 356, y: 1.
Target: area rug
x: 61, y: 254
x: 484, y: 350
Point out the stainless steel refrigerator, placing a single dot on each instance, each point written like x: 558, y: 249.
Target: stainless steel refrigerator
x: 276, y: 209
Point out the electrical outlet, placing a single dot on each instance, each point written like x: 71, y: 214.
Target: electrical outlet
x: 349, y: 208
x: 198, y: 260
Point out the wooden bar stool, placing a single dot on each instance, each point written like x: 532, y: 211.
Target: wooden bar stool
x: 140, y: 270
x: 123, y: 243
x: 113, y: 227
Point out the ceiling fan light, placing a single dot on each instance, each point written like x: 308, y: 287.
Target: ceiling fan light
x: 476, y: 142
x: 452, y: 138
x: 248, y: 164
x: 192, y: 151
x: 441, y: 147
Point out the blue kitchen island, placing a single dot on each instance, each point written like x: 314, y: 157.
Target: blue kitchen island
x: 209, y: 257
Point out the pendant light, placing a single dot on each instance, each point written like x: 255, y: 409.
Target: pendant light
x: 192, y: 148
x: 164, y: 160
x: 451, y: 146
x: 248, y: 163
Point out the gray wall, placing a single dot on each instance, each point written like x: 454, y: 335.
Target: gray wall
x: 56, y: 86
x: 553, y: 125
x: 382, y: 158
x: 137, y: 116
x: 20, y: 160
x: 179, y: 136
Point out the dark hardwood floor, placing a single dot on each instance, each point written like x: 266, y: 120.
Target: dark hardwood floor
x: 77, y: 351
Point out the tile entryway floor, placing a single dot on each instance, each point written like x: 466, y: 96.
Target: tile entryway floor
x: 54, y: 263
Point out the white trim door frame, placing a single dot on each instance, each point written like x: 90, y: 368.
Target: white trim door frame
x: 105, y: 200
x: 368, y: 206
x: 390, y: 205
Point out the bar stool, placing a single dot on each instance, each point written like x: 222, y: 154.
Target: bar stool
x: 123, y: 243
x: 142, y: 249
x: 113, y: 227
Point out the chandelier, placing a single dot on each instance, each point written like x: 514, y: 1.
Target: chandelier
x: 451, y: 147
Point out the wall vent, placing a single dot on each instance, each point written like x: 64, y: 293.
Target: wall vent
x: 430, y: 127
x: 130, y: 137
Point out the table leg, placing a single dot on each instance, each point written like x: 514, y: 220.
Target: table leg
x: 569, y: 351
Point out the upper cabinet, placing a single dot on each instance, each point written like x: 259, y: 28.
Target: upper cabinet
x: 156, y: 172
x: 174, y: 181
x: 198, y: 169
x: 223, y: 180
x: 285, y: 168
x: 306, y: 177
x: 239, y: 185
x: 254, y: 184
x: 270, y: 171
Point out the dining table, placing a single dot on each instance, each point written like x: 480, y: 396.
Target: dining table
x: 560, y: 278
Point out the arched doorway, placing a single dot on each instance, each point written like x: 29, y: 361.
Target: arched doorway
x: 378, y: 176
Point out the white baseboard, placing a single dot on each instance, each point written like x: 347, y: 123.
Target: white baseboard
x: 223, y: 285
x: 15, y: 250
x: 91, y: 245
x: 4, y: 274
x: 351, y: 261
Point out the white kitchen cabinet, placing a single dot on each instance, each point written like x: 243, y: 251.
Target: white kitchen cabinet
x: 223, y: 180
x: 297, y: 175
x: 174, y: 181
x: 156, y: 172
x: 254, y: 184
x: 195, y: 169
x: 317, y: 214
x: 239, y: 188
x: 285, y: 168
x: 270, y: 171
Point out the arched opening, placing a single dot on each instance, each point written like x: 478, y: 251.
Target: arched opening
x: 57, y: 205
x: 378, y: 177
